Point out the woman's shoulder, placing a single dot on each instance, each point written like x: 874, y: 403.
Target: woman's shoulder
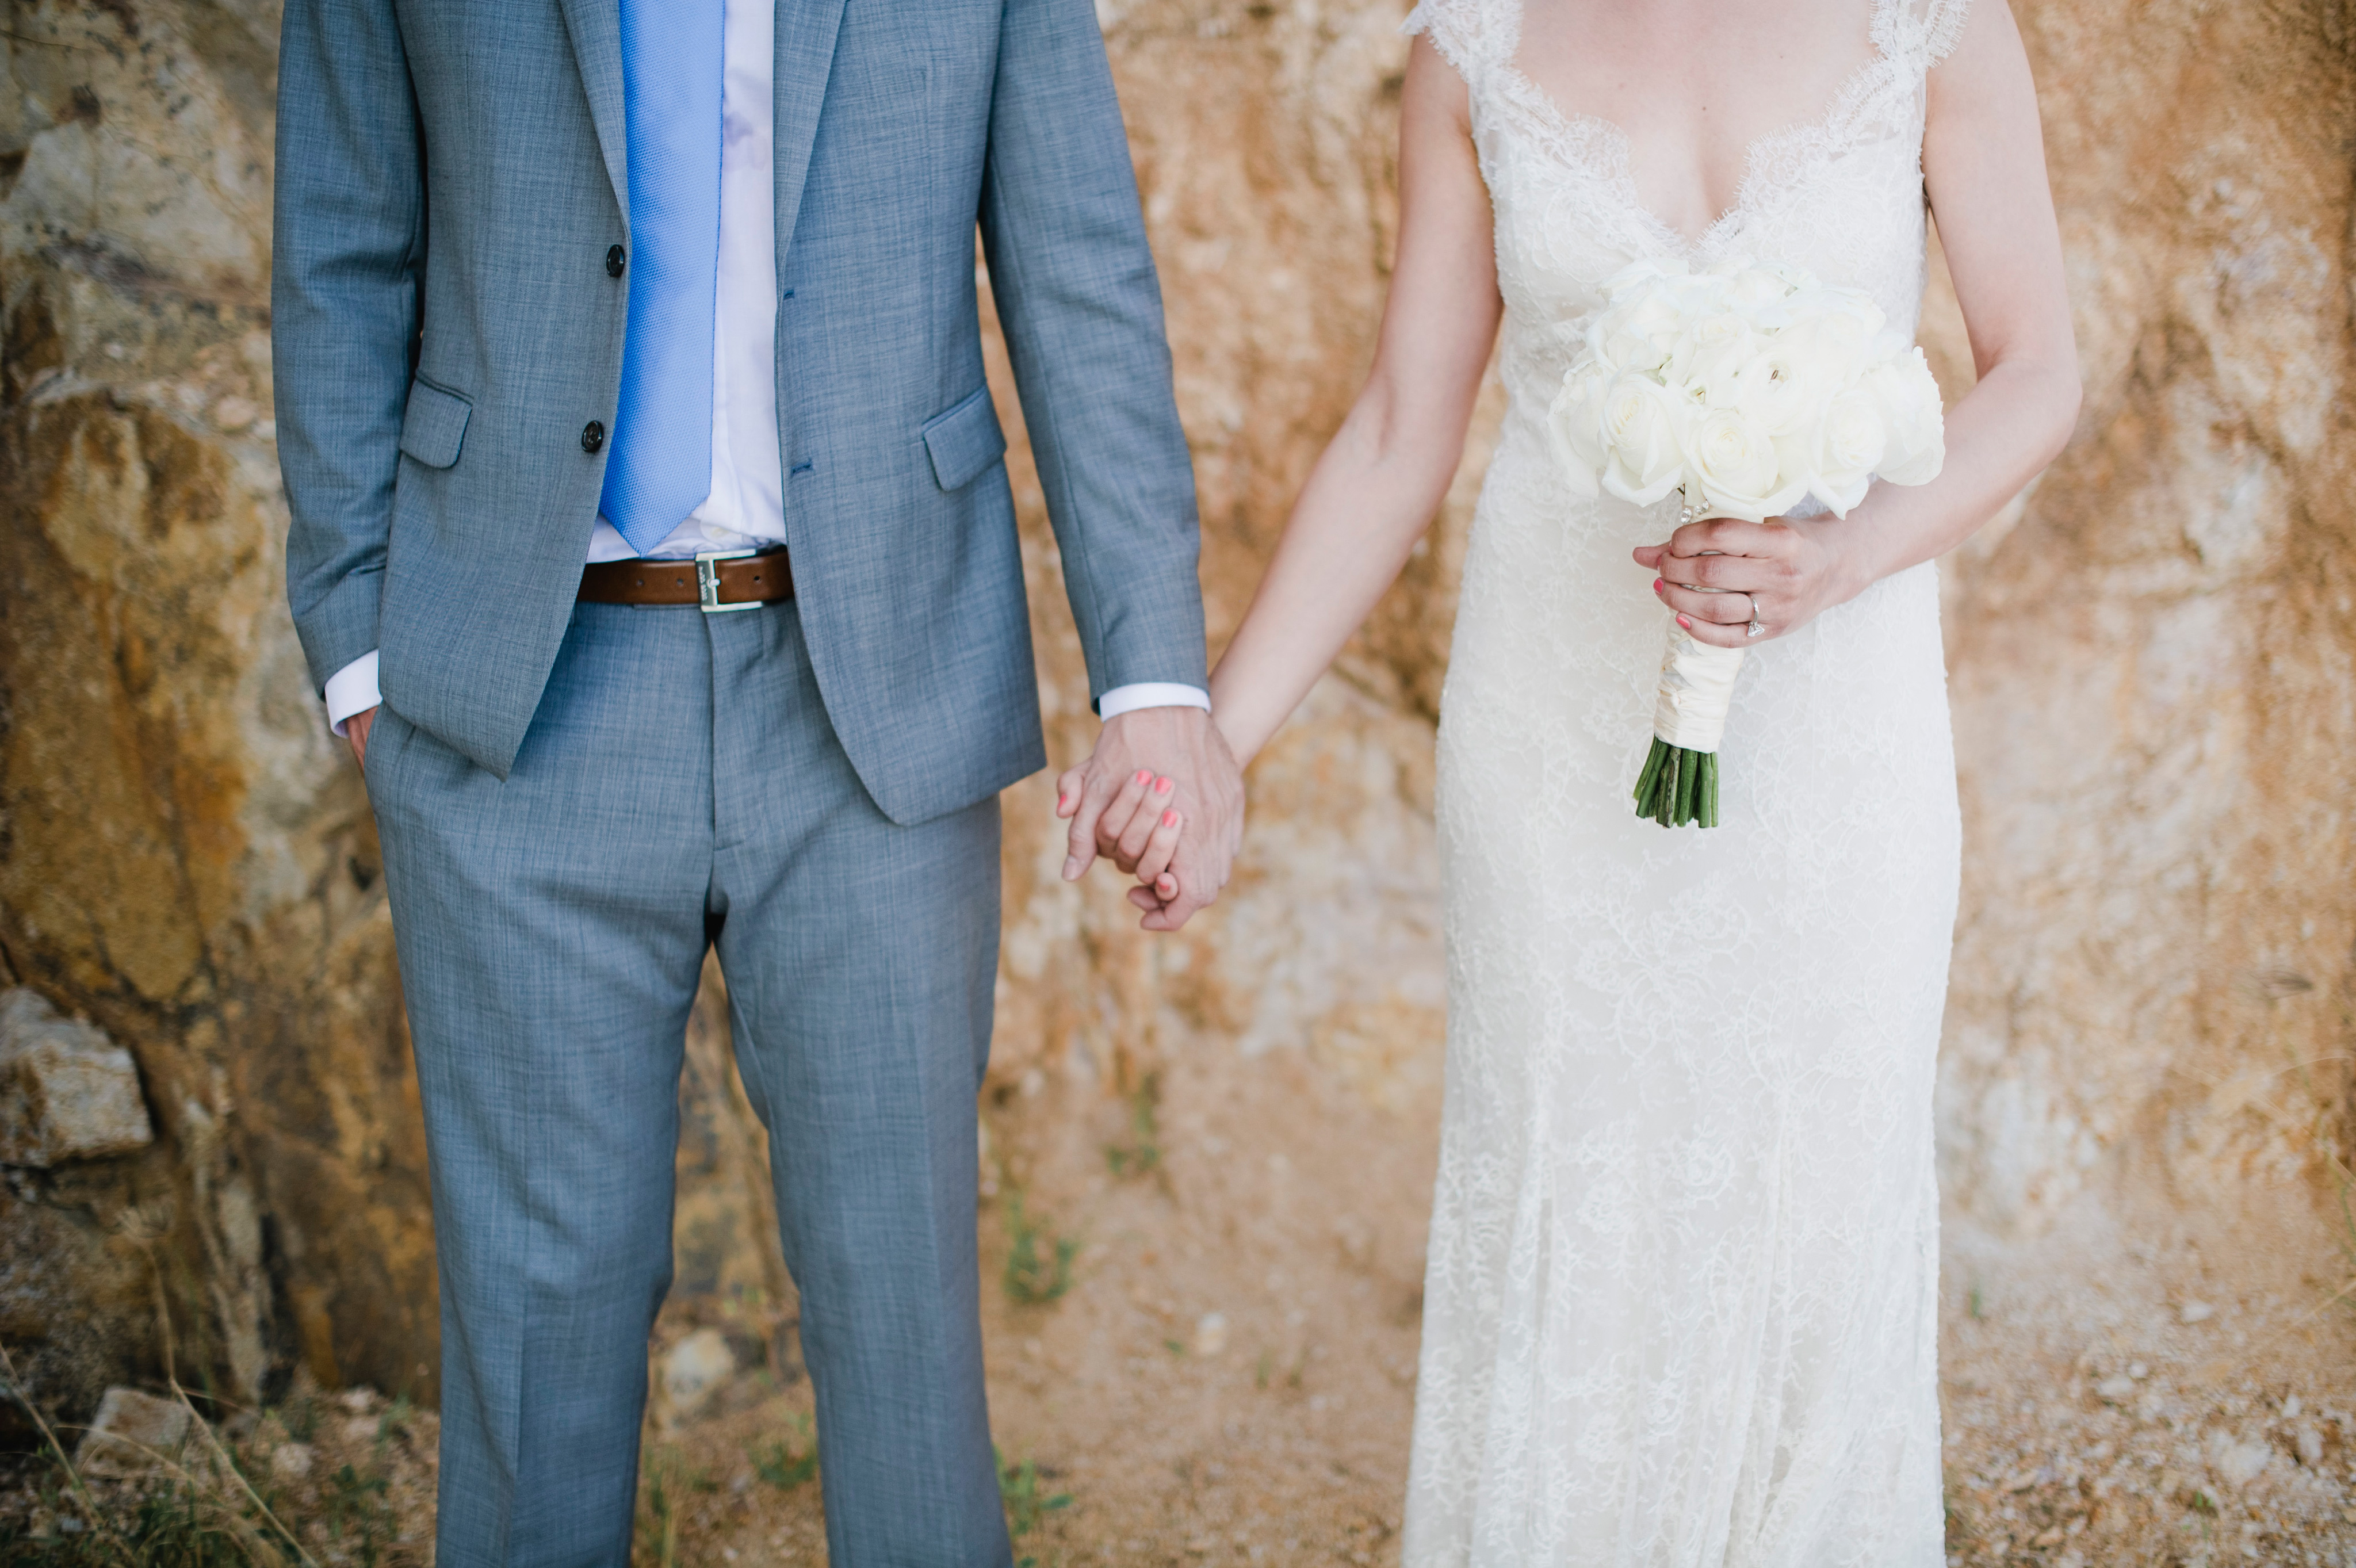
x: 1920, y: 32
x: 1473, y: 36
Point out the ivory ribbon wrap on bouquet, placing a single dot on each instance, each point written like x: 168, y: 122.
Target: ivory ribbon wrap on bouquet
x: 1697, y: 688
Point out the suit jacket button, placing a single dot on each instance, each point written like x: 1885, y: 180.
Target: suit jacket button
x: 615, y: 260
x: 592, y: 436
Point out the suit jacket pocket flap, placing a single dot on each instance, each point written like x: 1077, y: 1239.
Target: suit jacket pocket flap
x: 435, y: 425
x: 965, y: 441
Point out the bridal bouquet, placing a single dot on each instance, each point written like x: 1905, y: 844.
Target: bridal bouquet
x: 1747, y: 387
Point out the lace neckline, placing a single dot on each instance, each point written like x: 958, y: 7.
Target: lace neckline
x: 1857, y: 90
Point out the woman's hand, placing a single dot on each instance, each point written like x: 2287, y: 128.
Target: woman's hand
x: 1780, y: 572
x: 1139, y: 832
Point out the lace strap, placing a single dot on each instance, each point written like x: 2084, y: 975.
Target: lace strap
x: 1923, y: 32
x: 1465, y: 32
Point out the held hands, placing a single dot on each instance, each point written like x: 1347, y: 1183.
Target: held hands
x: 1781, y: 572
x: 1163, y: 799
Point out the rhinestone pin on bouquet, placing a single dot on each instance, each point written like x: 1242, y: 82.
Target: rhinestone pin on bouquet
x: 1747, y: 388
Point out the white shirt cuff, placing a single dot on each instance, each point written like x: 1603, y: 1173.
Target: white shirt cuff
x: 1151, y: 695
x: 352, y: 690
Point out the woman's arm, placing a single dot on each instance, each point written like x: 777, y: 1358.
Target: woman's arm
x: 1383, y: 475
x: 1984, y: 160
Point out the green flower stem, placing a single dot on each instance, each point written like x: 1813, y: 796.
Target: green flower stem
x: 1677, y: 786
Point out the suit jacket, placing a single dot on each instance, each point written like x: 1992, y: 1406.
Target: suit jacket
x: 450, y: 176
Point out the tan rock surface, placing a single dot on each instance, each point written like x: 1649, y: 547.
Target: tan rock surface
x: 2145, y: 1096
x: 67, y: 1093
x: 133, y: 1434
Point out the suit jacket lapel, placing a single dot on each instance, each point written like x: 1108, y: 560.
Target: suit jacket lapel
x: 804, y: 59
x: 595, y: 26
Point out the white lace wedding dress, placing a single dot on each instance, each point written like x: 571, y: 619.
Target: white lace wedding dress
x: 1681, y: 1300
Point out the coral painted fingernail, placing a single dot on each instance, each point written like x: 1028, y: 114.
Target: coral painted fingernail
x: 1169, y: 819
x: 1143, y: 775
x: 1657, y: 584
x: 1684, y: 623
x: 1161, y: 786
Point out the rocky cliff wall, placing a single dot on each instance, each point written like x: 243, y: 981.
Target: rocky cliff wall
x: 2154, y: 708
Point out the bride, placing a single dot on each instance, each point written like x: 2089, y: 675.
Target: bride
x: 1681, y: 1303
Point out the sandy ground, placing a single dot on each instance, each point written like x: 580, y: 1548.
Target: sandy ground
x: 1229, y: 1377
x: 1228, y: 1373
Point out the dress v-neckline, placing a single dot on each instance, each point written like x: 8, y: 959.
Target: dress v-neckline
x: 1852, y: 87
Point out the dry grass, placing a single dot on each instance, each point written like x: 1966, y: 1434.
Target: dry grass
x: 317, y: 1482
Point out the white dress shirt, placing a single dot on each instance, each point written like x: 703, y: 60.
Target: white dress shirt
x: 746, y: 507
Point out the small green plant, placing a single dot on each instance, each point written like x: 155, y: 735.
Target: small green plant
x: 300, y: 1417
x: 357, y: 1511
x: 668, y: 1482
x: 1018, y: 1489
x: 1142, y: 1155
x: 394, y: 1422
x: 781, y: 1466
x: 1033, y: 1276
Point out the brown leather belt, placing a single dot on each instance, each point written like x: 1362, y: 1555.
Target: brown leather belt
x: 717, y: 580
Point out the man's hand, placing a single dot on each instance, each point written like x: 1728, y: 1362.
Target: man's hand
x: 355, y: 730
x: 1137, y: 754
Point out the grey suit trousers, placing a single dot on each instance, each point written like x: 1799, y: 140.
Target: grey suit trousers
x: 678, y: 778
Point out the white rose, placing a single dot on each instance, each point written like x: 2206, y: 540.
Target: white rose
x: 1827, y: 350
x: 1848, y: 446
x: 1735, y: 466
x: 1643, y: 426
x: 1841, y: 325
x: 1575, y: 427
x: 1638, y: 274
x: 1908, y: 397
x: 1635, y: 333
x: 1754, y: 287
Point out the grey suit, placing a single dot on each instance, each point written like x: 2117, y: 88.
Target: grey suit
x: 576, y: 799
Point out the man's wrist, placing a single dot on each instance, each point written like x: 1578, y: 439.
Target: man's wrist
x: 1139, y: 694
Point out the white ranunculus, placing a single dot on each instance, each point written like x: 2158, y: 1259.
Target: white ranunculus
x: 1708, y: 354
x: 1849, y: 443
x: 1774, y: 390
x: 1575, y: 427
x: 1827, y: 351
x: 1910, y: 401
x: 1644, y: 429
x: 1736, y: 468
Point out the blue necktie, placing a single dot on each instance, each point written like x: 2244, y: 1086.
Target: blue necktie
x: 660, y: 465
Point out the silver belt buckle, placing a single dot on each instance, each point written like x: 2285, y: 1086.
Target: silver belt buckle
x: 707, y: 581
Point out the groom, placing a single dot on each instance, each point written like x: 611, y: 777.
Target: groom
x: 651, y: 543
